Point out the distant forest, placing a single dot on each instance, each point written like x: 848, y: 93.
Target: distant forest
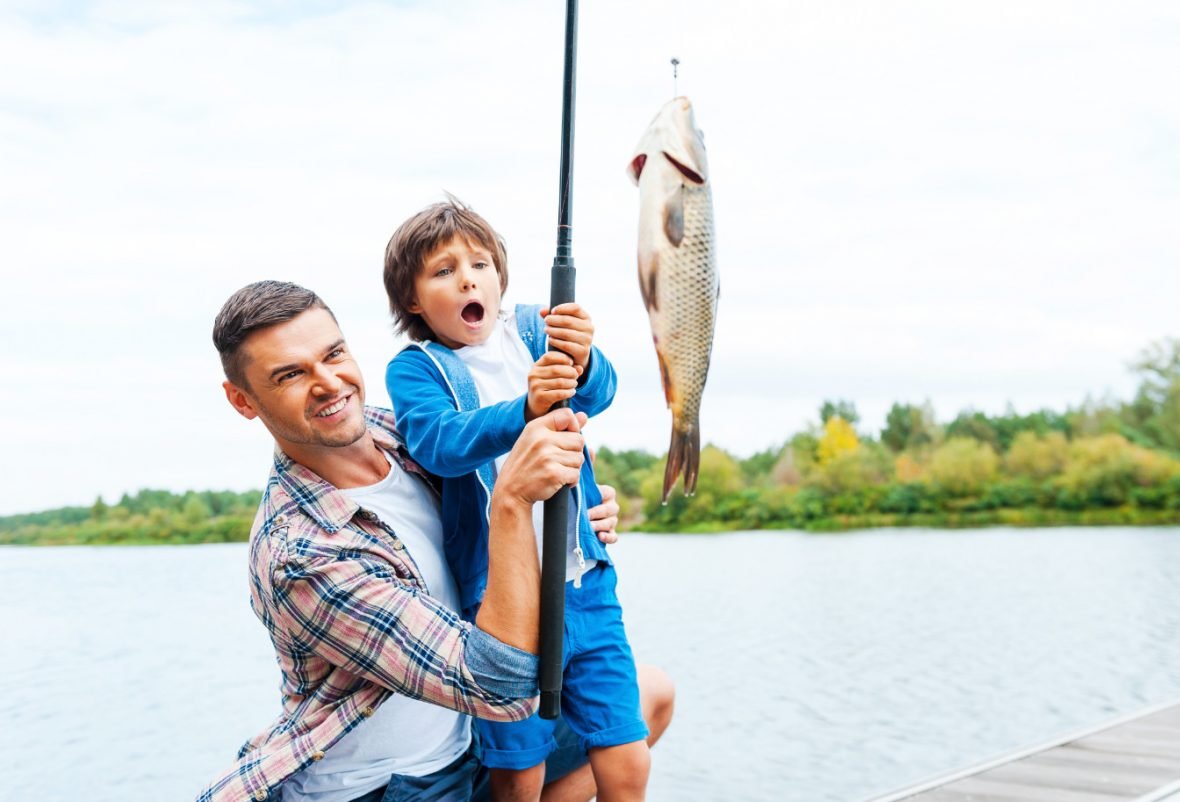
x: 1103, y: 462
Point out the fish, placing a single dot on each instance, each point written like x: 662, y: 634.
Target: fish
x: 678, y: 273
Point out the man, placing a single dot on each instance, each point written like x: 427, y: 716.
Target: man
x: 348, y: 575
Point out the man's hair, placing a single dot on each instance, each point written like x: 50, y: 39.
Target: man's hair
x: 416, y: 239
x: 254, y: 307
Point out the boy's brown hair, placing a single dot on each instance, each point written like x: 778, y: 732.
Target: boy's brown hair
x: 416, y: 239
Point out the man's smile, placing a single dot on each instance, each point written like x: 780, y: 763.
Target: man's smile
x: 334, y: 407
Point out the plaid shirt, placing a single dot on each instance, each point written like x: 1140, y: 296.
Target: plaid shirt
x: 351, y: 623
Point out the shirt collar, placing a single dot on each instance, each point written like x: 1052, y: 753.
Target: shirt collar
x: 323, y: 502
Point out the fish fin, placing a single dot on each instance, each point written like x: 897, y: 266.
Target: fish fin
x: 674, y: 216
x: 647, y: 282
x: 664, y: 377
x: 684, y: 454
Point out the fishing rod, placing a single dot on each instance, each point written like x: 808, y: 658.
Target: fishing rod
x: 561, y: 291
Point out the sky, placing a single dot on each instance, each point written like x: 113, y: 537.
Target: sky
x: 974, y: 204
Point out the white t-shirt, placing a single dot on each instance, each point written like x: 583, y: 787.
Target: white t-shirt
x: 500, y: 368
x: 404, y: 736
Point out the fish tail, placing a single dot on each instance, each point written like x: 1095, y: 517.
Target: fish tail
x: 684, y: 454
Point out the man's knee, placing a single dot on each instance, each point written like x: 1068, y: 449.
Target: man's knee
x: 657, y: 697
x: 622, y: 770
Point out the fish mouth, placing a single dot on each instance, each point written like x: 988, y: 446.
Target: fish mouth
x: 689, y: 173
x: 472, y: 313
x: 636, y: 167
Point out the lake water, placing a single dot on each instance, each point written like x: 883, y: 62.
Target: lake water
x: 810, y: 668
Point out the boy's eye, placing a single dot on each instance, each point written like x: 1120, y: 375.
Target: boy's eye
x: 444, y: 271
x: 481, y: 265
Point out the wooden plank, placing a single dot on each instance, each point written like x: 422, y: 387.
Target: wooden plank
x: 1119, y: 744
x: 1133, y: 759
x: 1074, y: 778
x: 1070, y: 755
x: 1020, y: 792
x: 1136, y: 776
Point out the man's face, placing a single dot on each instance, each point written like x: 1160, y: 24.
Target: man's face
x: 303, y: 383
x: 457, y: 293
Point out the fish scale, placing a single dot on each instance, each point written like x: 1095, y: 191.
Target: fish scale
x: 688, y: 299
x: 677, y: 273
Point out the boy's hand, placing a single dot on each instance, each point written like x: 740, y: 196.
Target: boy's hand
x: 570, y: 329
x: 552, y: 378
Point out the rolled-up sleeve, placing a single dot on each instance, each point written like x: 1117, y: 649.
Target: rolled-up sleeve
x: 501, y: 668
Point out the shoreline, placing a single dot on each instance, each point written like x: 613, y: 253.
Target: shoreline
x: 238, y: 531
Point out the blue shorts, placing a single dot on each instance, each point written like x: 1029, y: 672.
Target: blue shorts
x: 599, y: 694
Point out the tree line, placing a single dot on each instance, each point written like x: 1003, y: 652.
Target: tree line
x: 149, y: 516
x: 1102, y: 462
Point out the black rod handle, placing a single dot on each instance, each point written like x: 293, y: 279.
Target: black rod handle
x: 553, y: 538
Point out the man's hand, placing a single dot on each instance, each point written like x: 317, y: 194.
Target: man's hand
x: 571, y: 330
x: 547, y: 456
x: 553, y: 378
x: 605, y: 517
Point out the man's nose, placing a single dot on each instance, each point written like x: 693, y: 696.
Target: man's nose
x: 326, y: 380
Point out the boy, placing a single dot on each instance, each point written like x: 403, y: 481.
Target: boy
x: 457, y: 396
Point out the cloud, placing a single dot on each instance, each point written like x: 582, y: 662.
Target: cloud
x: 972, y: 203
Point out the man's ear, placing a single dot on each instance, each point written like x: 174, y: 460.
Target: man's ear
x: 240, y: 400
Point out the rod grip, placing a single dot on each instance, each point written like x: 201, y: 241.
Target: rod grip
x: 553, y: 538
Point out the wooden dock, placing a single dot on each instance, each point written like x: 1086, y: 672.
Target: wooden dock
x: 1135, y: 758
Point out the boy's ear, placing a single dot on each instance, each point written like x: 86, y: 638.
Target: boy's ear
x: 414, y: 307
x: 240, y: 400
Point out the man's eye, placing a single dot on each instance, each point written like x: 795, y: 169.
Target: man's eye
x: 289, y: 375
x: 336, y: 353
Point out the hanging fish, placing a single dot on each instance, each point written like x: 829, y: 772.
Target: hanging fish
x: 678, y: 272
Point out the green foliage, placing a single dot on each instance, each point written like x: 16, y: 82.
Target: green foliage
x: 909, y: 426
x: 1037, y: 456
x: 757, y: 467
x: 962, y: 466
x: 1153, y: 417
x: 622, y: 469
x: 150, y: 516
x: 839, y: 407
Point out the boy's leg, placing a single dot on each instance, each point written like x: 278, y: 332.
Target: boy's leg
x: 514, y: 753
x: 601, y: 691
x: 571, y: 766
x: 517, y: 785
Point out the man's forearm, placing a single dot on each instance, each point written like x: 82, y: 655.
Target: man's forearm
x: 511, y: 607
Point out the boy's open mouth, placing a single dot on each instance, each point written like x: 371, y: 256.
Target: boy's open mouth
x: 473, y: 312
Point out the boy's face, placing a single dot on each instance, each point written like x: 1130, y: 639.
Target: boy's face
x: 457, y: 293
